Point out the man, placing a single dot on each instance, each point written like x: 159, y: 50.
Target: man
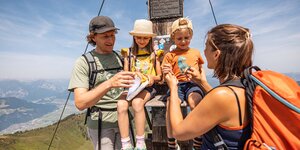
x: 109, y: 84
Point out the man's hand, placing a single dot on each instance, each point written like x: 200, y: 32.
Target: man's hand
x: 122, y: 79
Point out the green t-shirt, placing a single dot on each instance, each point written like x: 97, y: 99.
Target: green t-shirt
x: 80, y: 79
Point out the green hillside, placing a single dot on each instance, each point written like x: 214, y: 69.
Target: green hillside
x: 71, y: 134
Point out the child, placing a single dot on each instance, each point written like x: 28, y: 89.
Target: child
x: 178, y: 61
x: 139, y: 58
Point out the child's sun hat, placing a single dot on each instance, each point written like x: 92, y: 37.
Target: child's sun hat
x: 142, y: 27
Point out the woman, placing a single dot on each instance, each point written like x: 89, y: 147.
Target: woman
x: 228, y: 51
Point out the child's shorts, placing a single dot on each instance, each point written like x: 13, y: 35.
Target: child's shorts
x: 185, y: 89
x: 152, y: 90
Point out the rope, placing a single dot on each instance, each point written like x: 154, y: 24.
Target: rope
x: 212, y: 10
x: 86, y: 47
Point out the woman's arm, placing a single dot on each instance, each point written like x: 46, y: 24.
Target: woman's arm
x: 211, y: 111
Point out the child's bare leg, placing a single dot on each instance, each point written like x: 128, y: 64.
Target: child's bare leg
x: 168, y: 122
x: 138, y: 105
x: 123, y: 122
x: 171, y: 140
x: 194, y: 99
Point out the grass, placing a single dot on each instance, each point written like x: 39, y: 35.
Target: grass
x: 71, y: 134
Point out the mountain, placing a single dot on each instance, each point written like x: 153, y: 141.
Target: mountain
x: 214, y: 82
x: 32, y: 104
x: 14, y: 110
x: 71, y: 134
x: 294, y: 75
x: 33, y: 90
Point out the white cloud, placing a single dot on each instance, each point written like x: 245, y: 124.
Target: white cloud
x: 28, y: 66
x: 43, y: 34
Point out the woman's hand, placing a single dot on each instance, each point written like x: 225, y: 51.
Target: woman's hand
x: 122, y: 79
x: 199, y: 77
x: 196, y: 75
x: 171, y: 80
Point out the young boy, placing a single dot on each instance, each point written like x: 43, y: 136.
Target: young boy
x: 178, y: 62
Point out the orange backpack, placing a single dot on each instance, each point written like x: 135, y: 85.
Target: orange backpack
x: 274, y: 107
x: 275, y: 110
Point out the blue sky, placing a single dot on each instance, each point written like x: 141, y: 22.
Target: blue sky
x: 41, y: 39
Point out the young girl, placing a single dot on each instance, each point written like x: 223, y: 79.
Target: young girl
x: 139, y: 58
x: 177, y: 62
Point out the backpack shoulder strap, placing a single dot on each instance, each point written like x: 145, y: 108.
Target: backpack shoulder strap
x: 119, y: 58
x: 92, y: 68
x: 130, y: 58
x: 250, y: 86
x: 92, y: 75
x: 239, y: 105
x: 89, y: 57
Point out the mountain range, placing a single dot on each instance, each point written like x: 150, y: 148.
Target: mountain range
x: 26, y: 105
x: 32, y: 104
x: 34, y: 91
x: 21, y: 111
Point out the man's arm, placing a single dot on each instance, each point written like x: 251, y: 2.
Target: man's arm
x: 85, y: 98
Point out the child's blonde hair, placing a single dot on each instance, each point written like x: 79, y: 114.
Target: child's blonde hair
x: 181, y: 23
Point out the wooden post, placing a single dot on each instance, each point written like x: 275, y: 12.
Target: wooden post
x: 159, y: 133
x: 162, y: 13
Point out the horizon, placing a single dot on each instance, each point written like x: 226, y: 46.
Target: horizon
x: 42, y: 39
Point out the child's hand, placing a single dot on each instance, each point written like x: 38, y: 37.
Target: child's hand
x: 171, y: 80
x: 166, y: 68
x: 151, y: 80
x: 124, y: 52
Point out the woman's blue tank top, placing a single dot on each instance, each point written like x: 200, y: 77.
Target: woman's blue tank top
x: 234, y: 139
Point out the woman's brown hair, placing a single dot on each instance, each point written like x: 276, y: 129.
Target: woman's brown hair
x: 236, y: 48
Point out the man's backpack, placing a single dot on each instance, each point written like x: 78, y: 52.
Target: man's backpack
x: 274, y: 105
x: 93, y: 71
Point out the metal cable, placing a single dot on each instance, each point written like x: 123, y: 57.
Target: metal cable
x: 87, y: 45
x: 212, y: 10
x: 59, y: 120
